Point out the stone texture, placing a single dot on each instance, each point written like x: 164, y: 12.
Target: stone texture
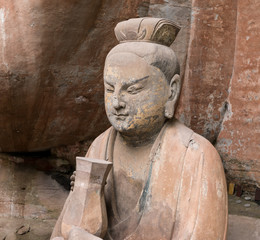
x: 28, y: 193
x: 209, y: 66
x: 52, y: 55
x: 239, y: 138
x: 179, y: 11
x: 70, y: 152
x: 40, y: 229
x: 220, y: 96
x: 241, y: 227
x: 10, y: 236
x: 51, y: 64
x: 23, y: 229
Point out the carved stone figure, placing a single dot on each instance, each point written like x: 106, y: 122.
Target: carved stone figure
x: 167, y: 182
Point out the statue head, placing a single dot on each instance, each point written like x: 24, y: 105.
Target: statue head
x: 141, y: 77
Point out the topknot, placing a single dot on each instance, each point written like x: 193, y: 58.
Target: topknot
x: 157, y: 30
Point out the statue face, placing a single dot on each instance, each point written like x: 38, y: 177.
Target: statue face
x: 135, y: 94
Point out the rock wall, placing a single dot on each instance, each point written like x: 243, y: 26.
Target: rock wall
x: 221, y: 93
x: 51, y: 62
x: 30, y: 193
x: 239, y: 138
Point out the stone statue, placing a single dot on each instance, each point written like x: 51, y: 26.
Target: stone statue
x: 167, y: 182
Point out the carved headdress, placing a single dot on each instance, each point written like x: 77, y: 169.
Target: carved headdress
x: 157, y: 30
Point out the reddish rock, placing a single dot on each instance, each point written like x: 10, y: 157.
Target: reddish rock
x: 220, y: 97
x: 239, y: 138
x: 51, y: 63
x: 51, y: 67
x: 209, y: 66
x: 70, y: 152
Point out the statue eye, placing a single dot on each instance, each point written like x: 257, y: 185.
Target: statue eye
x: 134, y: 89
x: 109, y: 89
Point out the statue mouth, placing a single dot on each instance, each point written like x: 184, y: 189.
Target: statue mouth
x: 120, y: 116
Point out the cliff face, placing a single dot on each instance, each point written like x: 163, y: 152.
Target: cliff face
x: 221, y: 93
x: 239, y: 139
x: 52, y: 56
x: 51, y: 63
x: 51, y: 66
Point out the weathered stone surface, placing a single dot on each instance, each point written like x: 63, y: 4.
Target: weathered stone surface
x: 209, y: 66
x: 10, y: 236
x: 28, y: 193
x: 241, y: 227
x: 70, y: 152
x: 87, y: 197
x: 179, y: 11
x: 239, y: 138
x: 40, y: 229
x: 23, y: 229
x: 220, y: 97
x: 52, y: 55
x: 51, y: 62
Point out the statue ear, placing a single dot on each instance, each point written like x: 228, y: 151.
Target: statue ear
x: 174, y: 92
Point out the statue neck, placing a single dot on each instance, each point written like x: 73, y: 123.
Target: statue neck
x: 138, y: 140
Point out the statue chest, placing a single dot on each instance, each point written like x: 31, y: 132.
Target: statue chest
x: 136, y: 208
x: 132, y: 215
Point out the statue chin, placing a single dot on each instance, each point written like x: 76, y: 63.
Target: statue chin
x: 121, y: 126
x: 141, y: 129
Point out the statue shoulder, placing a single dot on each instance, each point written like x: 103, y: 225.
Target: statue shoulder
x: 205, y: 147
x: 98, y: 146
x: 194, y: 142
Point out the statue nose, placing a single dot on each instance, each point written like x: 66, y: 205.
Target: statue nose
x: 117, y: 103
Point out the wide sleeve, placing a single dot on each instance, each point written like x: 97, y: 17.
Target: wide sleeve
x: 98, y: 148
x: 202, y: 202
x: 97, y: 151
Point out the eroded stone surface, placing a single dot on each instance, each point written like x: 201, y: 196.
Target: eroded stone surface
x: 28, y: 193
x: 213, y: 102
x: 51, y: 61
x: 220, y: 96
x: 52, y: 55
x: 241, y: 227
x: 209, y: 66
x: 239, y: 138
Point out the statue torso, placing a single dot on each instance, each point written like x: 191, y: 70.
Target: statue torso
x: 130, y: 169
x: 167, y: 202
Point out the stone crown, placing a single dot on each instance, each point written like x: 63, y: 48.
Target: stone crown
x: 157, y: 30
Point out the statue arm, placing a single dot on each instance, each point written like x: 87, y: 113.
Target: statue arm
x: 57, y: 228
x: 202, y: 207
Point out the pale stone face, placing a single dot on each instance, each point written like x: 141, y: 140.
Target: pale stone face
x: 135, y: 94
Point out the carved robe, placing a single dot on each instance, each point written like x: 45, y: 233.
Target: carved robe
x: 184, y: 195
